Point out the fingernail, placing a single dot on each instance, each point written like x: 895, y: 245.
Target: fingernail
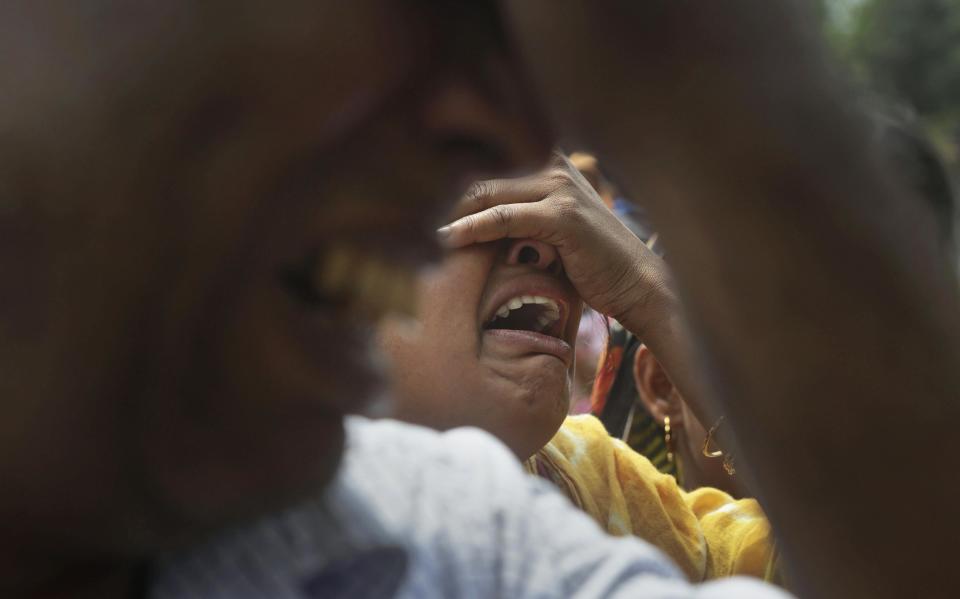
x: 443, y: 232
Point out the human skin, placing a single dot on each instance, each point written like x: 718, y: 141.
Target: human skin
x: 444, y: 373
x: 451, y: 370
x: 758, y: 178
x: 661, y: 398
x: 174, y: 176
x: 100, y: 316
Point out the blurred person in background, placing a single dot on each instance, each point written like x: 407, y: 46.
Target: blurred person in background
x: 591, y: 339
x: 637, y: 402
x: 588, y: 166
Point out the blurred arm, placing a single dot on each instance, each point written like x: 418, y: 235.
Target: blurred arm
x: 827, y: 324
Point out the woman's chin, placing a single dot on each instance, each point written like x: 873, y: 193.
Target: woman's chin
x: 531, y: 422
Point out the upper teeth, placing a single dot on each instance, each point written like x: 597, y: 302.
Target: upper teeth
x: 550, y: 314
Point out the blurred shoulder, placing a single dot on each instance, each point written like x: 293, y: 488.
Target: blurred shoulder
x: 406, y: 468
x: 391, y: 442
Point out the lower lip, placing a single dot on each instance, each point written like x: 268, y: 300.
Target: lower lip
x: 528, y: 342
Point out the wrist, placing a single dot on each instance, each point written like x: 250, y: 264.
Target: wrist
x: 651, y: 308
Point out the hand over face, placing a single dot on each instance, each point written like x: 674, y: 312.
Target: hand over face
x: 611, y: 269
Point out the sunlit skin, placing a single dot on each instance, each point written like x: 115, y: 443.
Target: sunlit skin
x: 449, y: 371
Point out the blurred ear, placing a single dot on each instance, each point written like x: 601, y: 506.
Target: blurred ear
x: 656, y: 390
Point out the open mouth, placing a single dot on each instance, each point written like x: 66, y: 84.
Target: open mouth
x: 346, y: 279
x: 533, y: 313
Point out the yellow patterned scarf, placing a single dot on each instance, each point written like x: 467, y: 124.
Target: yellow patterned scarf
x: 707, y: 533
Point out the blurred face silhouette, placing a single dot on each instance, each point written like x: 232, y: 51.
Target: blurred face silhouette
x: 493, y: 346
x: 207, y: 208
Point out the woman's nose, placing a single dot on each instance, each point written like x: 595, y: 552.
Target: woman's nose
x: 534, y: 253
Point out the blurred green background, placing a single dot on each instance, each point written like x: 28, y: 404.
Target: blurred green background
x: 909, y: 52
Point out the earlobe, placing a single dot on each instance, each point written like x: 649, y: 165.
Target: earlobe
x: 644, y: 371
x: 673, y: 407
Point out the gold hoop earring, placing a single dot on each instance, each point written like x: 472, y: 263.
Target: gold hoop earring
x: 718, y: 453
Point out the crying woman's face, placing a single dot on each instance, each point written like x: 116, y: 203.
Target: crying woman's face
x: 493, y: 344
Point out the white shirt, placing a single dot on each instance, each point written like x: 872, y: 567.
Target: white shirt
x: 415, y: 513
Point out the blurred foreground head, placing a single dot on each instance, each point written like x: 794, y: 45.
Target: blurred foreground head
x: 203, y: 206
